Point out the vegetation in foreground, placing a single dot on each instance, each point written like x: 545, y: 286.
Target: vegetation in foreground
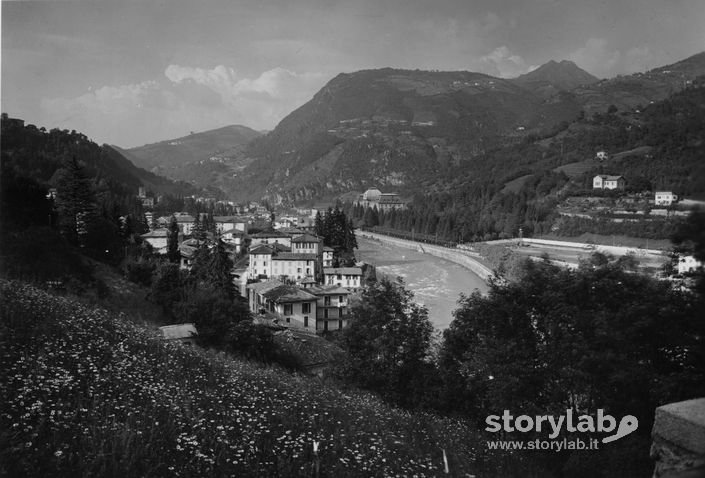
x: 86, y: 393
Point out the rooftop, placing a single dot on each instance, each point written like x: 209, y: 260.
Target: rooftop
x: 288, y: 293
x: 306, y: 238
x: 178, y: 331
x: 292, y: 256
x: 343, y: 270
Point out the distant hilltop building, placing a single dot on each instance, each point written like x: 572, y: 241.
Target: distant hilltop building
x: 373, y: 197
x: 603, y: 181
x: 602, y: 155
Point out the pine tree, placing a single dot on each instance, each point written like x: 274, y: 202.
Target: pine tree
x: 172, y: 241
x: 75, y: 202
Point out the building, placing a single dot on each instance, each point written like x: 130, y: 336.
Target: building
x: 603, y: 181
x: 260, y: 262
x: 293, y: 265
x: 306, y: 244
x: 233, y: 237
x: 270, y: 237
x: 328, y: 256
x: 184, y: 333
x: 331, y: 308
x: 289, y: 304
x: 185, y: 223
x: 688, y: 264
x: 349, y: 277
x: 373, y: 197
x: 664, y: 198
x: 158, y: 239
x: 602, y: 155
x: 226, y: 223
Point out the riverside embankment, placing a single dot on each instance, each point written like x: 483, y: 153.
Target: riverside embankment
x: 436, y: 280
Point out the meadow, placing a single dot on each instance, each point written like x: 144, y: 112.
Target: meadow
x: 86, y: 392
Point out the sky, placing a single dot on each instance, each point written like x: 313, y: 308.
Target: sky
x: 130, y: 73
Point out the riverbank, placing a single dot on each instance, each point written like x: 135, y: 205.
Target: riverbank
x: 466, y: 259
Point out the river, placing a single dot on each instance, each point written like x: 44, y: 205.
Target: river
x: 435, y: 282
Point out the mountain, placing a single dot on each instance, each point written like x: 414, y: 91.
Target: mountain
x: 552, y: 77
x: 38, y: 154
x: 632, y: 92
x: 406, y: 131
x: 392, y: 129
x: 207, y: 159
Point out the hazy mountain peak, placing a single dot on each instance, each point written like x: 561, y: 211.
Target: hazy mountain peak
x: 562, y: 75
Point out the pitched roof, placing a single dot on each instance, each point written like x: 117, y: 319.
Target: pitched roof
x: 233, y: 231
x: 270, y: 234
x: 228, y: 219
x: 293, y: 256
x: 178, y: 331
x: 308, y: 280
x: 328, y: 249
x: 306, y: 238
x: 185, y: 218
x: 288, y: 293
x: 262, y: 249
x: 157, y: 233
x: 343, y: 270
x: 329, y: 290
x: 261, y: 287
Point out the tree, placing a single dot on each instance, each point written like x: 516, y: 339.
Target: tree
x: 388, y: 343
x: 597, y: 337
x: 172, y: 242
x: 75, y: 202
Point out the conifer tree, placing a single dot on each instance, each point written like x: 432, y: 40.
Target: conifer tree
x: 172, y: 241
x: 75, y: 202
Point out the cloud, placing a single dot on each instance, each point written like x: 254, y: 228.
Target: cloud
x: 194, y: 99
x: 597, y: 58
x: 505, y: 64
x: 639, y: 59
x: 276, y: 84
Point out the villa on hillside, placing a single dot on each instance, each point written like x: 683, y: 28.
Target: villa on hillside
x: 664, y: 198
x: 603, y: 181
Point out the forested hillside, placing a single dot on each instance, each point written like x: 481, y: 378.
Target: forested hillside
x: 664, y: 144
x: 94, y: 188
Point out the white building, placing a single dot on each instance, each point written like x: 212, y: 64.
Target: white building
x: 664, y: 198
x: 688, y: 264
x: 158, y: 239
x: 603, y: 181
x: 350, y: 277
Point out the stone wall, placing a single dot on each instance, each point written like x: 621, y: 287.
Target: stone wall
x: 678, y: 445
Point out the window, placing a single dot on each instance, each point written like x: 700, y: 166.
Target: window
x: 288, y: 310
x: 341, y: 299
x: 306, y: 308
x: 325, y: 313
x: 305, y: 321
x: 340, y: 324
x: 340, y: 276
x: 326, y: 300
x: 298, y: 270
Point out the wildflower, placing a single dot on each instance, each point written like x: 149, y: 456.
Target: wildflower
x: 58, y: 453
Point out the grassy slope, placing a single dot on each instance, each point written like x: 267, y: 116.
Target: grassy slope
x: 86, y: 392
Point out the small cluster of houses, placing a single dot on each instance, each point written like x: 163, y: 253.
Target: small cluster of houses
x: 290, y: 280
x: 609, y: 182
